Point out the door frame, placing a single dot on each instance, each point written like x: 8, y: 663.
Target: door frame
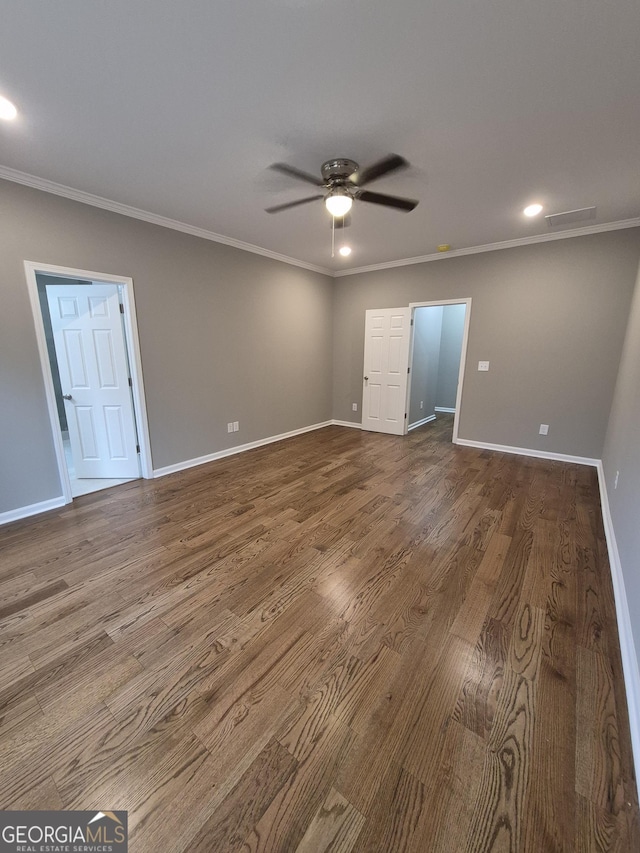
x: 463, y: 352
x: 132, y: 342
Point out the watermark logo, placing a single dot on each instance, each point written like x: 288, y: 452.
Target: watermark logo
x: 63, y: 832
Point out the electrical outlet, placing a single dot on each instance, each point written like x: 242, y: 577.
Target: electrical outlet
x: 483, y: 365
x: 544, y: 429
x: 354, y: 407
x: 615, y: 482
x: 236, y: 426
x: 422, y: 404
x: 229, y: 427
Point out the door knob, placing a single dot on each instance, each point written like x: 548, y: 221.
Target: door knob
x: 67, y: 397
x: 366, y: 378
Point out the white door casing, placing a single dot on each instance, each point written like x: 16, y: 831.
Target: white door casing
x: 386, y: 364
x: 92, y: 362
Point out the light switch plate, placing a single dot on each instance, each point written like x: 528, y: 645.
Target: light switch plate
x: 544, y: 429
x: 483, y: 365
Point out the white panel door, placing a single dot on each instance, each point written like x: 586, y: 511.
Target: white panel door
x: 92, y: 362
x: 387, y: 335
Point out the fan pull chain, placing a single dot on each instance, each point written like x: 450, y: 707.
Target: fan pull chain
x: 333, y: 236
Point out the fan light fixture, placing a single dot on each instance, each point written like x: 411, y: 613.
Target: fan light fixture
x: 532, y: 210
x: 338, y: 202
x: 345, y: 251
x: 341, y: 183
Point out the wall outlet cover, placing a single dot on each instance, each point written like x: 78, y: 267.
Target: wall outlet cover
x: 544, y: 429
x: 354, y: 407
x: 483, y: 365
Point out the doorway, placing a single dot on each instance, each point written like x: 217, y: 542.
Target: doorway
x: 438, y: 354
x: 89, y: 353
x: 394, y: 361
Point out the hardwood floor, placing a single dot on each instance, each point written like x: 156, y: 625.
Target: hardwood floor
x: 345, y: 641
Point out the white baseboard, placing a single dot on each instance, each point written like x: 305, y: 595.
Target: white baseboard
x: 420, y: 423
x: 526, y: 451
x: 625, y: 634
x: 444, y: 409
x: 32, y: 509
x: 231, y: 451
x: 346, y: 424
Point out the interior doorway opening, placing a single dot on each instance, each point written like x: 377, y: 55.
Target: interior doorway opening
x: 437, y: 360
x: 401, y: 365
x: 89, y: 353
x: 51, y: 291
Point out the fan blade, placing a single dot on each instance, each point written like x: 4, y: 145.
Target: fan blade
x: 278, y: 207
x: 390, y: 163
x: 297, y: 173
x: 388, y: 200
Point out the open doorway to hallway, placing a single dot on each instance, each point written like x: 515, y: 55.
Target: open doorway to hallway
x: 437, y: 352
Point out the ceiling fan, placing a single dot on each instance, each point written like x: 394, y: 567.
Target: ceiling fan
x: 343, y: 181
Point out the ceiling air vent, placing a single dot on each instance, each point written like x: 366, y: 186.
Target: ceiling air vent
x: 556, y: 219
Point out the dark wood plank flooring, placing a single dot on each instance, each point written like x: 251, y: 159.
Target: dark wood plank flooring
x: 345, y: 641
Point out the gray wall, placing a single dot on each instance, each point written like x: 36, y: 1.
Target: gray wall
x: 225, y: 335
x: 622, y: 453
x: 549, y: 317
x: 450, y: 352
x: 427, y: 331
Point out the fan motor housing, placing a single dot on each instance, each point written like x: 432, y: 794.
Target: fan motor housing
x: 338, y: 171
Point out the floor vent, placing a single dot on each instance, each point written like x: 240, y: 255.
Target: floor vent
x: 555, y: 219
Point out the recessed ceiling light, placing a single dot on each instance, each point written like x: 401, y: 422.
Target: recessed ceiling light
x: 7, y: 109
x: 345, y: 251
x: 532, y: 210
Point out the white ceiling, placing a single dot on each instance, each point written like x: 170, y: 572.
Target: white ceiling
x: 178, y: 107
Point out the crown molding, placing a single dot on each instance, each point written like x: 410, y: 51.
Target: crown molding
x: 493, y: 247
x: 83, y: 197
x: 47, y: 186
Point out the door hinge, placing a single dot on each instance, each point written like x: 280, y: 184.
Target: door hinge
x: 412, y: 321
x: 405, y: 415
x: 130, y: 383
x: 408, y: 370
x: 137, y: 448
x: 121, y: 308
